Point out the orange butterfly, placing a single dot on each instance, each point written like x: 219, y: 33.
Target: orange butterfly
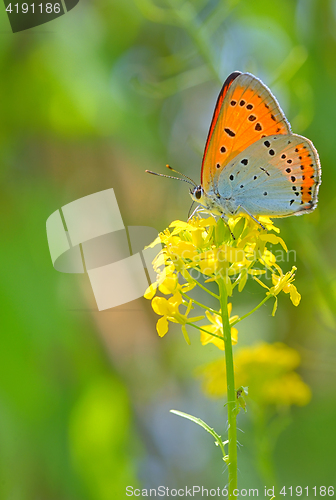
x: 252, y: 162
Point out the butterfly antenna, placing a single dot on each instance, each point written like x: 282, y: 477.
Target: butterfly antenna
x: 169, y: 177
x: 183, y: 175
x: 184, y: 178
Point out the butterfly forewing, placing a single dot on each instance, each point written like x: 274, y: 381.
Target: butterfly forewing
x: 246, y: 113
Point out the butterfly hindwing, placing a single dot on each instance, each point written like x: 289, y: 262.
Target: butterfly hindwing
x: 246, y: 111
x: 278, y: 175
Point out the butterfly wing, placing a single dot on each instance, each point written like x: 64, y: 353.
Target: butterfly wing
x: 245, y: 112
x: 277, y: 176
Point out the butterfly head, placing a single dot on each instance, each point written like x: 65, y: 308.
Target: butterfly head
x: 209, y: 203
x: 197, y: 194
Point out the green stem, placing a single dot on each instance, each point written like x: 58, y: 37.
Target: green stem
x: 231, y: 392
x: 253, y: 310
x: 199, y: 304
x: 202, y: 286
x: 203, y: 330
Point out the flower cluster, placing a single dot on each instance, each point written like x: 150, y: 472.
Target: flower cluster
x: 196, y: 256
x: 266, y: 369
x: 205, y: 250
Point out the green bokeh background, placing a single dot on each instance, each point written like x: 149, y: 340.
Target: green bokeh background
x: 88, y: 102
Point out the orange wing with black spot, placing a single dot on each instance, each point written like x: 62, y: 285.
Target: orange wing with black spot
x: 310, y: 170
x: 245, y: 112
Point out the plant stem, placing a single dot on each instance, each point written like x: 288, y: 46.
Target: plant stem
x: 201, y: 286
x: 203, y: 330
x: 252, y: 311
x: 199, y: 304
x: 231, y: 392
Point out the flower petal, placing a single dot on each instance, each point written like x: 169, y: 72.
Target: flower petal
x: 160, y: 306
x: 150, y: 292
x: 185, y: 335
x: 294, y: 295
x: 162, y: 326
x: 169, y: 284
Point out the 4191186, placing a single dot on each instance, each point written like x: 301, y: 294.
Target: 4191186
x: 33, y: 8
x: 316, y: 491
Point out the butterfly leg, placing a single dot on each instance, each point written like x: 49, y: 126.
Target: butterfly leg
x: 225, y: 220
x: 240, y: 208
x: 197, y: 209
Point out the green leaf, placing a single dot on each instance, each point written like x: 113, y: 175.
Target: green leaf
x: 205, y: 426
x: 239, y: 227
x: 242, y: 280
x: 222, y: 232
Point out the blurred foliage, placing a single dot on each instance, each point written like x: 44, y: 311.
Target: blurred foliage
x: 89, y: 102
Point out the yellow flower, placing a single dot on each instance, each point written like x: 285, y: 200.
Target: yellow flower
x: 266, y: 369
x: 167, y: 282
x: 287, y: 390
x: 268, y: 224
x: 193, y: 225
x: 282, y: 282
x: 208, y: 246
x: 169, y: 310
x: 150, y: 292
x: 268, y: 259
x: 231, y: 252
x: 216, y: 327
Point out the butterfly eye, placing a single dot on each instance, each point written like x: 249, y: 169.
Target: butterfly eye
x: 198, y: 192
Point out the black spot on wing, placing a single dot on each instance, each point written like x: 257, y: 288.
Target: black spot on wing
x: 229, y: 132
x: 264, y: 170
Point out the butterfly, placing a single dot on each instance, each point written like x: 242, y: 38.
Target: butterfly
x: 252, y: 162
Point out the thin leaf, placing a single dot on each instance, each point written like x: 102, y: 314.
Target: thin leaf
x: 205, y: 426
